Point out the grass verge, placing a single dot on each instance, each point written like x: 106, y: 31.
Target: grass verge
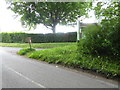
x: 36, y: 45
x: 25, y: 51
x: 69, y: 56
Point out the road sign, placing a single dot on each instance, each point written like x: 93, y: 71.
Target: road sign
x: 29, y: 40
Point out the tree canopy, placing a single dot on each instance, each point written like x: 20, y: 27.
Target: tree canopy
x: 49, y: 13
x: 108, y: 12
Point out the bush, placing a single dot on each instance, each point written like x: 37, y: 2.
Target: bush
x: 100, y: 41
x: 25, y: 51
x: 96, y: 41
x: 114, y: 39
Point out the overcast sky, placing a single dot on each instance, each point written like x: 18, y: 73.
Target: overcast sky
x: 10, y: 24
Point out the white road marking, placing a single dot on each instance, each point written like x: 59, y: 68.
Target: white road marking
x: 38, y: 84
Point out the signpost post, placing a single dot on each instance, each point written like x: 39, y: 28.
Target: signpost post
x: 29, y: 41
x: 79, y: 34
x: 79, y: 25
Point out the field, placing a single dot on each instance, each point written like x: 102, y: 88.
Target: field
x: 36, y: 45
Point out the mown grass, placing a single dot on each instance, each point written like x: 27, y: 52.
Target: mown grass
x: 36, y: 45
x: 69, y: 56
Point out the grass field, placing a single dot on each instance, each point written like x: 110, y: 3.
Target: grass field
x: 36, y: 45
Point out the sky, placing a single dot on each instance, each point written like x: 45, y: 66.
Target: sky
x: 10, y: 24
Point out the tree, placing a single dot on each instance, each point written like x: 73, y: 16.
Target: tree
x: 49, y: 13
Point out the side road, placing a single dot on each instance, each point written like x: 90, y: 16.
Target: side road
x: 13, y: 49
x: 21, y: 72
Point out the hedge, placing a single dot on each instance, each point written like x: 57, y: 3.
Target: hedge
x: 15, y: 37
x: 20, y: 37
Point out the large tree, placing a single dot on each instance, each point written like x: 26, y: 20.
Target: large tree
x: 49, y: 13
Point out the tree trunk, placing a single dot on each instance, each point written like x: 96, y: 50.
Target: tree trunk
x: 54, y: 29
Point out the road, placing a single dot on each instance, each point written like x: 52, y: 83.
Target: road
x: 21, y: 72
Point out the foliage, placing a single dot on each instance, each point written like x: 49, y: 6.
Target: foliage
x: 108, y: 10
x: 6, y: 37
x: 18, y: 37
x: 26, y: 50
x: 110, y: 14
x: 49, y: 13
x: 100, y: 42
x: 14, y: 37
x: 114, y: 37
x: 96, y: 41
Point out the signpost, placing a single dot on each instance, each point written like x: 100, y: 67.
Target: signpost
x: 29, y: 41
x: 79, y: 25
x: 79, y: 33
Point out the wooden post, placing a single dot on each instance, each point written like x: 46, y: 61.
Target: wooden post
x: 29, y: 41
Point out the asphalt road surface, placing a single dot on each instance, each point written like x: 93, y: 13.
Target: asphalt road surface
x: 21, y: 72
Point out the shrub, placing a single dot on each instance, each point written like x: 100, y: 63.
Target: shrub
x: 114, y: 39
x: 112, y: 25
x: 96, y: 41
x: 100, y: 41
x: 25, y: 51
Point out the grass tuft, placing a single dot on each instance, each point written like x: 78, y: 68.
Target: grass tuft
x: 25, y: 51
